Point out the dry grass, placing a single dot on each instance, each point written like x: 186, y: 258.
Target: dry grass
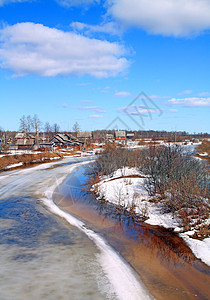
x: 26, y: 159
x: 204, y: 147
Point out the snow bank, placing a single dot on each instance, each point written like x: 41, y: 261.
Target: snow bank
x: 13, y: 166
x: 203, y: 154
x: 130, y: 192
x: 200, y: 249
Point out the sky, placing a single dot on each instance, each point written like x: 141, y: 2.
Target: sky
x: 116, y: 64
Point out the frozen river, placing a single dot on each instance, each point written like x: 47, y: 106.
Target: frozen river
x: 47, y: 253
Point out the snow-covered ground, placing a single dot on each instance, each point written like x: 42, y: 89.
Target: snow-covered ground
x: 203, y: 154
x: 13, y: 166
x: 19, y: 152
x: 130, y: 193
x: 135, y: 144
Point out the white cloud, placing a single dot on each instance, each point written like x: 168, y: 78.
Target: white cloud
x: 204, y: 94
x: 66, y: 3
x: 122, y: 94
x: 72, y: 3
x: 65, y: 105
x: 86, y: 101
x: 158, y: 97
x: 173, y: 110
x: 190, y: 102
x: 84, y: 83
x: 166, y: 17
x: 95, y: 116
x: 93, y: 108
x: 3, y: 2
x: 185, y: 92
x: 136, y: 110
x: 106, y: 89
x: 109, y: 28
x: 28, y: 48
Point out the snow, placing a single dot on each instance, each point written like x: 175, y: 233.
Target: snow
x: 157, y: 217
x: 200, y: 249
x: 130, y: 191
x: 21, y: 152
x: 13, y: 166
x: 203, y: 154
x: 134, y: 144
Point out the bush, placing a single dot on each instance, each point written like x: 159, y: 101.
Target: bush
x: 113, y: 159
x: 204, y: 147
x: 180, y: 179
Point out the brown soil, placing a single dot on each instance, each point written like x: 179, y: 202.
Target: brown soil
x: 162, y: 260
x: 27, y: 159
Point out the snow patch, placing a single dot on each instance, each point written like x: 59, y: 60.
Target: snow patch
x: 13, y: 166
x: 200, y: 249
x: 130, y: 191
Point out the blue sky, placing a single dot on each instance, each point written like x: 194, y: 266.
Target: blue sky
x: 87, y: 60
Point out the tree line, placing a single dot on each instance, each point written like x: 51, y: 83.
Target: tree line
x: 29, y: 124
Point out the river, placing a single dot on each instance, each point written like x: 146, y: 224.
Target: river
x: 47, y: 255
x: 56, y: 243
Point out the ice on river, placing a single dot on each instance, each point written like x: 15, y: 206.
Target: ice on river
x: 32, y: 266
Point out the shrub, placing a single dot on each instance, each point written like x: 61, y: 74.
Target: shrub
x: 113, y: 159
x: 181, y: 180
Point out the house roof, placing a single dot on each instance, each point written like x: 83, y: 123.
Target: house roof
x: 25, y: 142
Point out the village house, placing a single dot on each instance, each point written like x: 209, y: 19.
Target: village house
x: 24, y: 141
x: 130, y: 135
x: 120, y: 135
x: 64, y: 140
x: 83, y: 135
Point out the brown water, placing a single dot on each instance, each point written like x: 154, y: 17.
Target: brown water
x: 163, y: 261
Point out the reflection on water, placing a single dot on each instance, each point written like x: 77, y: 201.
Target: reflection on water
x: 162, y: 259
x: 71, y: 193
x: 43, y: 257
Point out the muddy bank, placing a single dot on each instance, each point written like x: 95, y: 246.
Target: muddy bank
x: 12, y: 162
x: 163, y: 261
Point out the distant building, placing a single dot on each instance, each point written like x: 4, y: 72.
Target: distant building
x: 84, y: 134
x: 64, y: 140
x: 46, y: 146
x: 110, y: 136
x: 120, y: 135
x: 130, y: 135
x: 24, y: 141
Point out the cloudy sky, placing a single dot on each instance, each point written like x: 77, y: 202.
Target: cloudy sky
x: 132, y: 64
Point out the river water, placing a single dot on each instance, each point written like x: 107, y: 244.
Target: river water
x: 161, y: 258
x: 49, y: 254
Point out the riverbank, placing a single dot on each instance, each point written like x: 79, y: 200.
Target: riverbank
x: 20, y: 159
x: 125, y: 188
x: 162, y: 260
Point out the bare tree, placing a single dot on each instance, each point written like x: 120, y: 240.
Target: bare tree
x: 47, y: 127
x: 55, y: 128
x: 36, y: 126
x: 29, y: 124
x: 1, y: 137
x: 23, y: 124
x: 76, y: 128
x: 1, y: 133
